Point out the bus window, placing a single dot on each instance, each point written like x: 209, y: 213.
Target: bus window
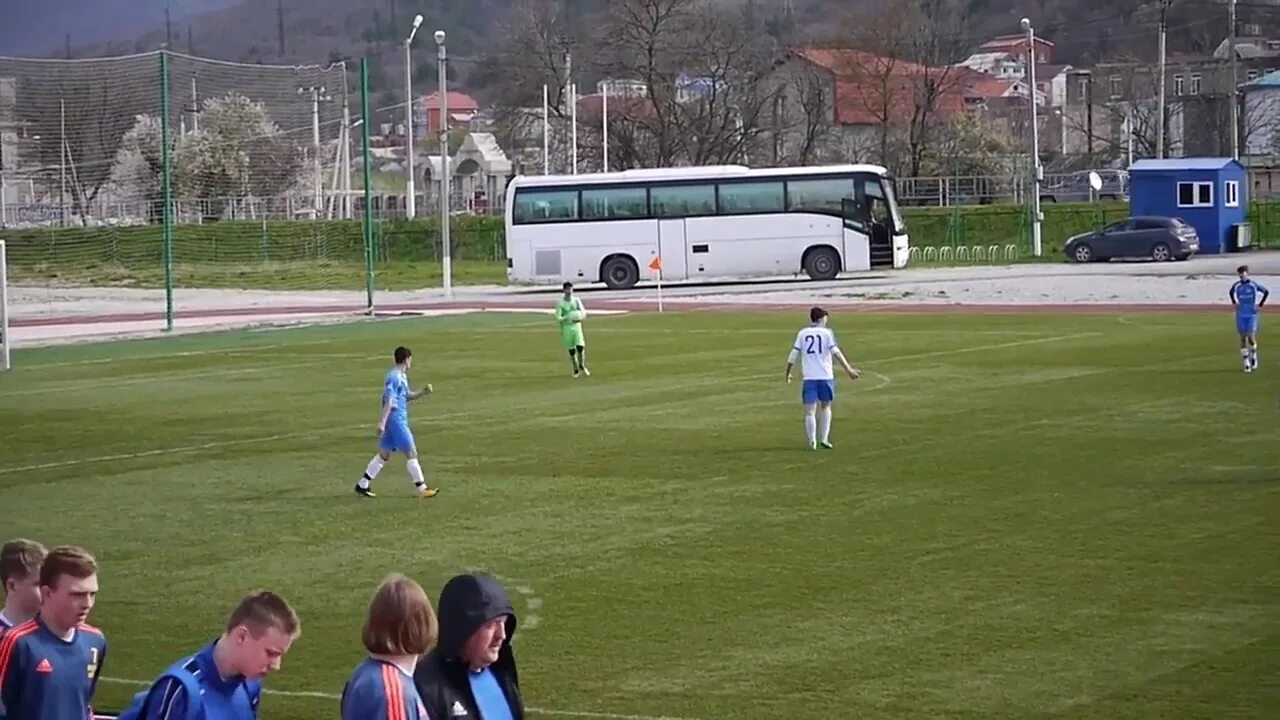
x: 534, y: 206
x: 677, y: 201
x: 752, y: 197
x: 823, y: 195
x: 615, y: 203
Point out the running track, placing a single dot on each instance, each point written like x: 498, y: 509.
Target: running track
x: 635, y: 305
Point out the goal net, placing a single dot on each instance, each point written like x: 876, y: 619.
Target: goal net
x: 261, y: 168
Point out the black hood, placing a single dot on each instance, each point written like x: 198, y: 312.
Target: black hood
x: 467, y: 602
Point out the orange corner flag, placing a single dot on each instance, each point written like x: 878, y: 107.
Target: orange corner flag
x: 656, y: 264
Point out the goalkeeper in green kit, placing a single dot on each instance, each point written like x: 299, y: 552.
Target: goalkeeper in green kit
x: 570, y: 314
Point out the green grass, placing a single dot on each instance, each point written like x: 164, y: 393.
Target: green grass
x: 293, y: 275
x: 1025, y: 517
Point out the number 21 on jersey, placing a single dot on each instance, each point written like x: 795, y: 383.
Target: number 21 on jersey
x: 813, y: 344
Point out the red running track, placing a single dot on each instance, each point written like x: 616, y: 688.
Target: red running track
x: 633, y: 305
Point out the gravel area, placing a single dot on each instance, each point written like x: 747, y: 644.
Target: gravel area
x: 51, y: 314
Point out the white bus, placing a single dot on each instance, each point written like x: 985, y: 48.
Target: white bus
x: 722, y: 221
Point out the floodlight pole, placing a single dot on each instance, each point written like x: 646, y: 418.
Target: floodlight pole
x: 446, y: 260
x: 1037, y: 171
x: 411, y: 200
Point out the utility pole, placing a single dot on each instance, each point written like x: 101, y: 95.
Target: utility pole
x: 1160, y: 109
x: 1036, y: 169
x: 195, y: 106
x: 318, y: 93
x: 1235, y: 82
x: 1088, y: 92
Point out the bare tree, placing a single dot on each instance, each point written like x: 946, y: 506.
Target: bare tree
x: 1130, y: 117
x: 1207, y: 125
x: 719, y: 108
x: 700, y: 67
x: 899, y: 65
x: 937, y: 42
x: 969, y: 145
x: 538, y: 49
x: 647, y: 41
x: 77, y: 125
x: 815, y: 97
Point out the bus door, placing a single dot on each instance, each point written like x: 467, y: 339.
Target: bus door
x: 858, y: 252
x: 671, y: 246
x: 875, y: 212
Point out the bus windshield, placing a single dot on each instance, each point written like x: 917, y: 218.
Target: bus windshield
x: 891, y: 197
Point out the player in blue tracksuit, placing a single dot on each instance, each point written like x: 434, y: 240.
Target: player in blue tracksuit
x: 1248, y: 296
x: 49, y: 665
x: 393, y: 428
x: 229, y: 671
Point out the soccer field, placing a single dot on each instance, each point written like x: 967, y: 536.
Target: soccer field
x: 1024, y: 515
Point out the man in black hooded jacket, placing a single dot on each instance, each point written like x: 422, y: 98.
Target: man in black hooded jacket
x: 471, y: 673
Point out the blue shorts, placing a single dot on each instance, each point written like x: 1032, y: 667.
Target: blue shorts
x: 1247, y: 324
x: 397, y: 438
x: 818, y: 391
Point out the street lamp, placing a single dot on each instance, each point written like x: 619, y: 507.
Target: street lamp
x: 410, y: 202
x: 446, y: 262
x: 1037, y: 171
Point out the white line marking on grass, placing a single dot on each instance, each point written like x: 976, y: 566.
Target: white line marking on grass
x: 336, y: 696
x: 885, y: 381
x: 181, y: 449
x: 994, y: 346
x: 252, y: 349
x: 160, y: 379
x: 168, y: 356
x: 533, y: 603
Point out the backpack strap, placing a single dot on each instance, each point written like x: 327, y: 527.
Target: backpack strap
x: 194, y: 700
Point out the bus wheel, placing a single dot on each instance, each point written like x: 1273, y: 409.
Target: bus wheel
x: 620, y: 273
x: 822, y: 263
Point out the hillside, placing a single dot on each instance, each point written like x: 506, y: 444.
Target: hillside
x: 30, y: 27
x: 323, y: 31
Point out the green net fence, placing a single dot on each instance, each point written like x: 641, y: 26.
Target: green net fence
x: 257, y: 161
x: 265, y: 175
x: 999, y: 234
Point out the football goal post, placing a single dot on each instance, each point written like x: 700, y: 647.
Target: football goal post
x: 4, y: 310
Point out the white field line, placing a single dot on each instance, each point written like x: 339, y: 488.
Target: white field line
x: 513, y: 327
x: 252, y: 349
x: 464, y: 415
x: 181, y: 449
x: 91, y: 384
x: 336, y: 696
x: 168, y: 356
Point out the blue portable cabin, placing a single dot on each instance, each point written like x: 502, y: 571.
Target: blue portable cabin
x: 1209, y: 194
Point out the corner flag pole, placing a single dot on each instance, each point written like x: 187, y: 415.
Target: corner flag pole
x: 656, y: 266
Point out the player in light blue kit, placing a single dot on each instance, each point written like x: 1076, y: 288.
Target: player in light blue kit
x: 1245, y: 297
x: 393, y: 428
x: 817, y: 344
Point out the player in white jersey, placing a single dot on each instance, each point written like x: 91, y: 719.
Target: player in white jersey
x: 816, y: 343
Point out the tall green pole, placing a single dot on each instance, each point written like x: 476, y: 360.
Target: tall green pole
x: 166, y: 183
x: 368, y: 173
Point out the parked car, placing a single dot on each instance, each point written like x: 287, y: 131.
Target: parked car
x: 1158, y: 238
x: 1075, y: 187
